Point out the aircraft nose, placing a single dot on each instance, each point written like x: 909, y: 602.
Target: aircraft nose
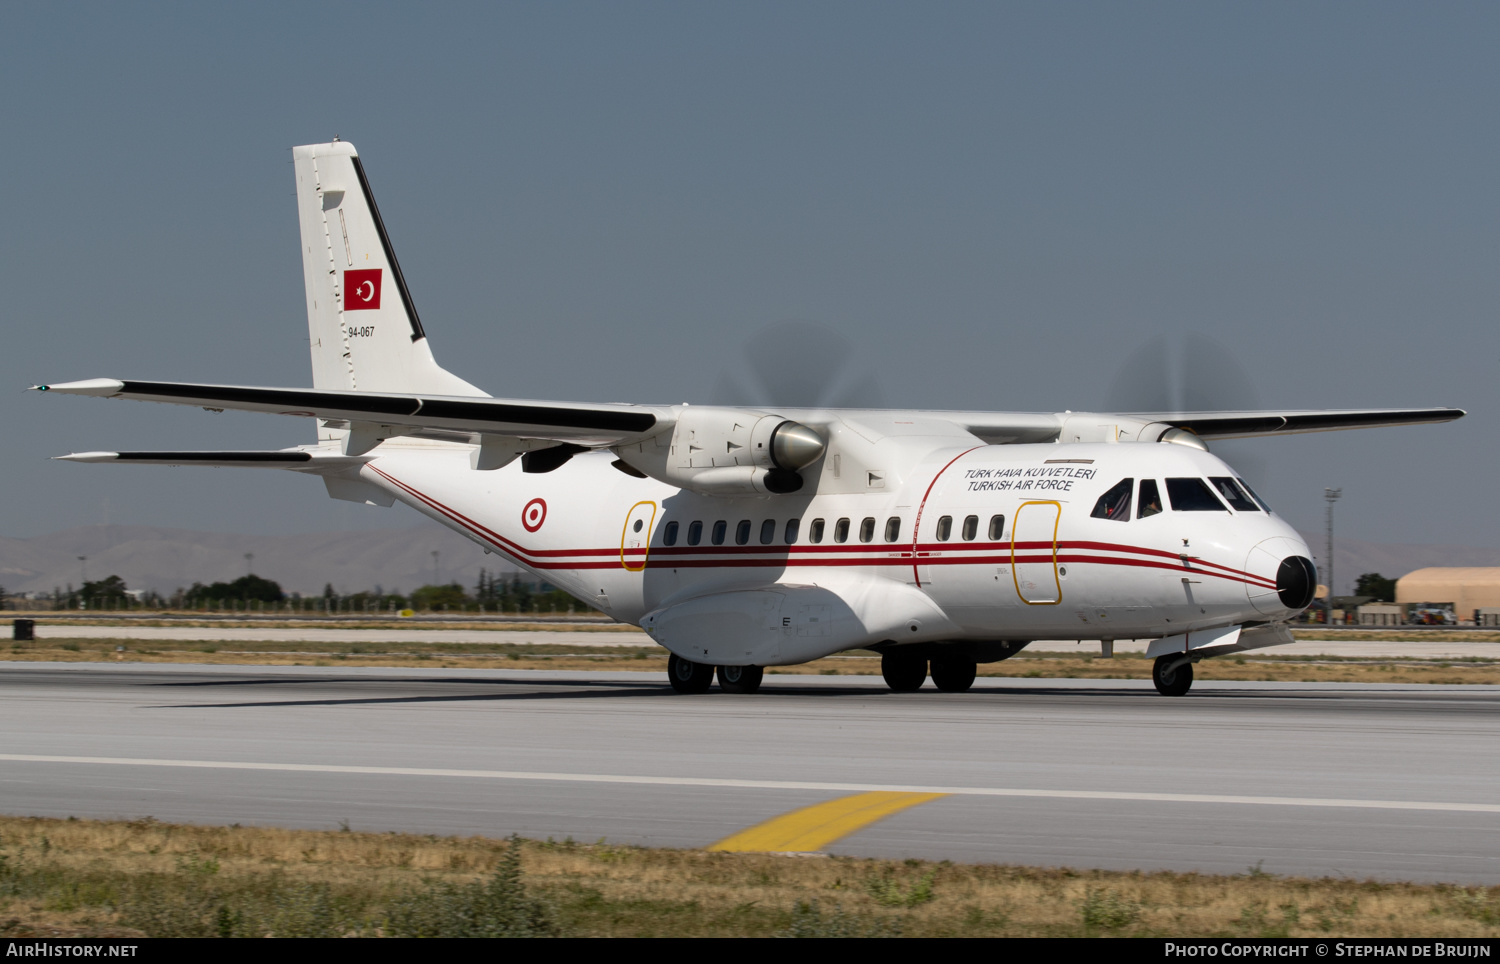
x: 1280, y: 576
x: 1296, y: 581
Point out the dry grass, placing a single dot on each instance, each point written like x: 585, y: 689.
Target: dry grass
x: 1036, y: 665
x: 79, y: 877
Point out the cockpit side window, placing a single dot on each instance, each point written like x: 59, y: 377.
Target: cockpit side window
x: 1149, y: 504
x: 1233, y: 494
x: 1192, y: 495
x: 1115, y: 504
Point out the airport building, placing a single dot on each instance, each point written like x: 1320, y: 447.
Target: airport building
x: 1471, y: 592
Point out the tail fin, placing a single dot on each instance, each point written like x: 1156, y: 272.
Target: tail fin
x: 364, y: 330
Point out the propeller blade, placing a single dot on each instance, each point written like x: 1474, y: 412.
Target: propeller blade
x: 798, y: 364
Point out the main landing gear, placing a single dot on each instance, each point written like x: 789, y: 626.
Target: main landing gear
x: 687, y: 676
x: 1172, y: 680
x: 905, y: 672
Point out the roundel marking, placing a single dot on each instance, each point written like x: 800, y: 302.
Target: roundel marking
x: 534, y: 515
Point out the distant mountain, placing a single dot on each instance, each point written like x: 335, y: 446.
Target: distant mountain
x: 164, y: 559
x: 1354, y: 557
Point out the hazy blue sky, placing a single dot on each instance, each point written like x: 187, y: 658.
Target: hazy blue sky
x: 999, y: 202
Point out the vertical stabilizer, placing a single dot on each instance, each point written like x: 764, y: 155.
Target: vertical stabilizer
x: 364, y: 330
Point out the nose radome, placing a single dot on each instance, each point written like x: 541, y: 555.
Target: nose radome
x: 1278, y: 581
x: 1296, y: 581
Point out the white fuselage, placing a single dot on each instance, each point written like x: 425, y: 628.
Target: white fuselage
x: 985, y: 543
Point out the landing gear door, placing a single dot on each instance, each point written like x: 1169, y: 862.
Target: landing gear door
x: 1033, y: 553
x: 635, y: 540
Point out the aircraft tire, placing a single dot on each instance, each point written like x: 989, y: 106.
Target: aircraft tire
x: 687, y: 676
x: 954, y: 675
x: 903, y: 673
x: 1174, y: 683
x: 741, y: 679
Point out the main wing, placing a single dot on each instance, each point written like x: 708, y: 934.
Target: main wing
x: 442, y: 417
x: 469, y: 419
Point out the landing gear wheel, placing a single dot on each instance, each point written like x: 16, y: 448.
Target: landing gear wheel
x: 688, y: 676
x: 954, y: 675
x: 903, y: 673
x: 740, y: 679
x: 1173, y: 682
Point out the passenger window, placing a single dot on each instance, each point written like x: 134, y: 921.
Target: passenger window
x: 1233, y: 494
x: 841, y: 531
x: 1192, y: 495
x: 720, y: 528
x: 815, y: 531
x: 893, y: 528
x: 1258, y: 500
x: 1115, y: 504
x: 742, y: 532
x: 1149, y: 503
x: 971, y: 527
x: 695, y: 533
x: 669, y: 537
x: 945, y: 528
x: 768, y: 532
x: 790, y: 536
x: 867, y: 529
x: 997, y: 527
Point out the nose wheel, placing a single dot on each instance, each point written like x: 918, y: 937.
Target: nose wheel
x: 1172, y: 680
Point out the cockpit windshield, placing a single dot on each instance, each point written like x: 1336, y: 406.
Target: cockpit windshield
x: 1192, y: 495
x: 1258, y: 500
x: 1231, y: 492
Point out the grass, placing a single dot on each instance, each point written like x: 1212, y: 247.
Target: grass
x: 116, y: 878
x: 1033, y: 665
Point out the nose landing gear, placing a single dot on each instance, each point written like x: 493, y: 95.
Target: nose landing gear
x: 1172, y: 674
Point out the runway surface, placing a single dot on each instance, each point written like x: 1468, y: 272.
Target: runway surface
x: 602, y: 638
x: 1389, y: 781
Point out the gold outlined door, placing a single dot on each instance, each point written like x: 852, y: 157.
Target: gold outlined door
x: 635, y: 538
x: 1033, y: 553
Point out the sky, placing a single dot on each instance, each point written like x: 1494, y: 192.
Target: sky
x: 999, y: 204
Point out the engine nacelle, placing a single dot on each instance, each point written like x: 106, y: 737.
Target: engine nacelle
x: 728, y: 451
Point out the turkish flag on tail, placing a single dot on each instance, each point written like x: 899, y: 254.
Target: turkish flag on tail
x: 362, y: 289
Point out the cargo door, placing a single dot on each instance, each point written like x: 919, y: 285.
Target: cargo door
x: 1033, y: 553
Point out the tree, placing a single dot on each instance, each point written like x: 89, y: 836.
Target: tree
x: 243, y: 589
x: 451, y: 596
x: 100, y: 592
x: 1376, y: 586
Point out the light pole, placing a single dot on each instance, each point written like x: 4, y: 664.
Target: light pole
x: 83, y: 580
x: 249, y: 563
x: 1330, y: 496
x: 437, y: 577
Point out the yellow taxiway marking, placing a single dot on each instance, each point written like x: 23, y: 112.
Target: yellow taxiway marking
x: 813, y: 828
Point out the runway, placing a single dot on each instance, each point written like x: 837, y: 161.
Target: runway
x: 607, y: 637
x: 1388, y: 781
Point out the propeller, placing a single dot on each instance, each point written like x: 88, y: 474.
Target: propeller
x: 1193, y: 374
x: 798, y: 364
